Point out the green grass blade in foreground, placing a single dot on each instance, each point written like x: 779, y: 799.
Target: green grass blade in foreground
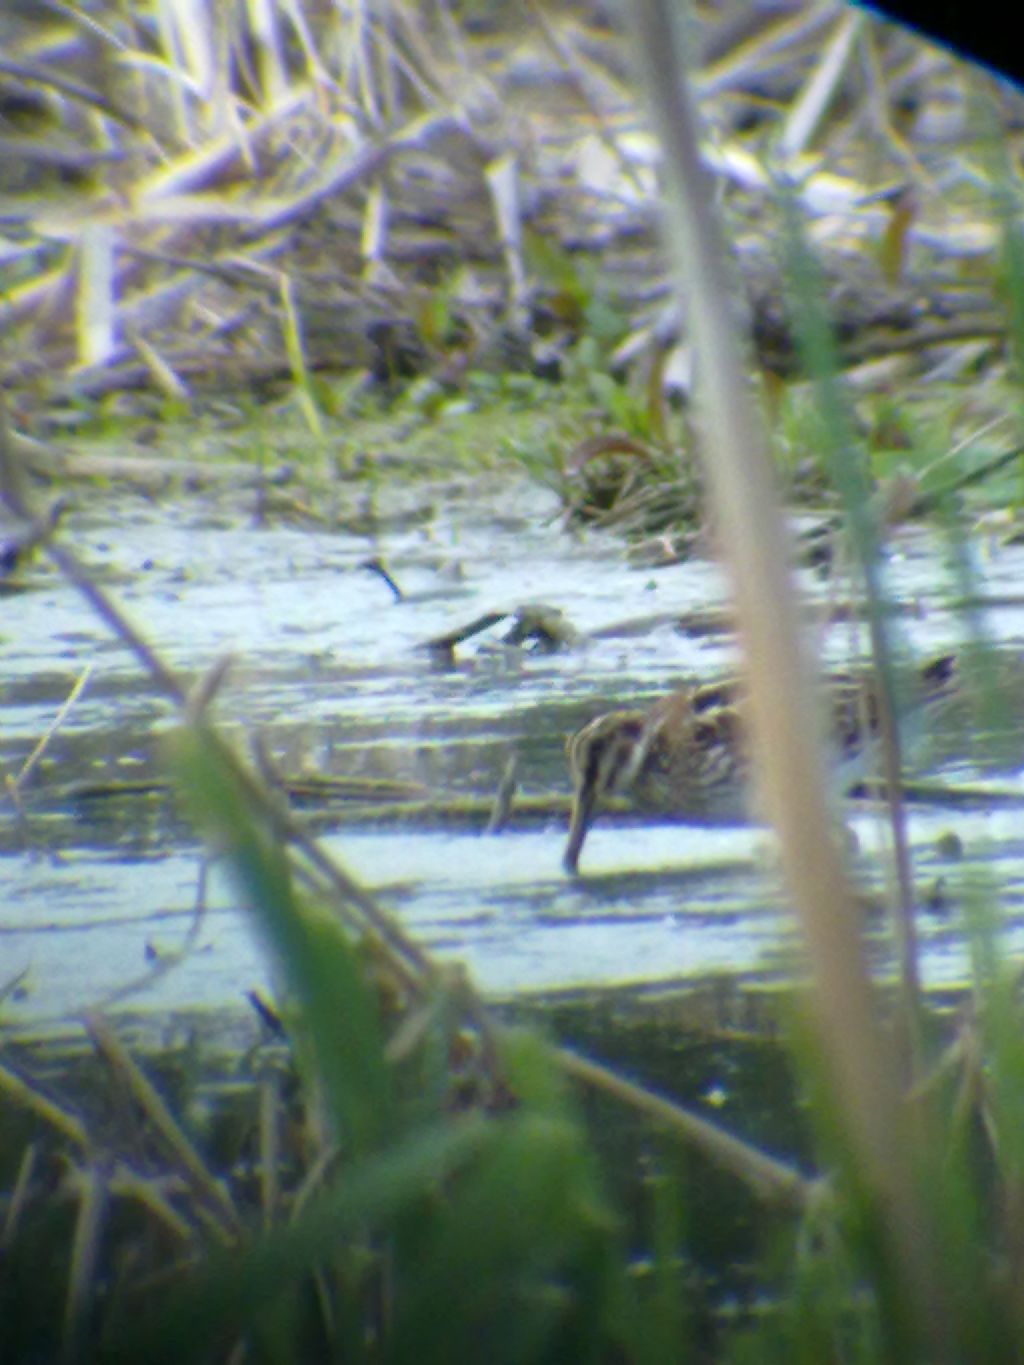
x: 658, y: 1307
x: 522, y: 1251
x: 984, y: 725
x: 517, y: 1255
x: 821, y: 1312
x: 316, y: 958
x: 490, y: 1234
x: 296, y: 353
x: 1001, y: 1021
x: 846, y: 463
x: 843, y: 456
x: 230, y: 1291
x: 847, y: 1280
x: 995, y: 153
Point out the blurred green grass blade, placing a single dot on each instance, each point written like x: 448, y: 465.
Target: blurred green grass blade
x: 658, y: 1321
x: 805, y: 290
x: 985, y: 731
x: 527, y: 1238
x: 519, y: 1257
x: 531, y: 1074
x: 846, y: 1278
x: 1006, y: 209
x: 847, y: 466
x: 318, y: 962
x: 296, y: 352
x: 232, y: 1290
x: 1001, y: 1020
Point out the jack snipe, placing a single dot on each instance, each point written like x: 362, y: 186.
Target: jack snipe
x: 686, y: 755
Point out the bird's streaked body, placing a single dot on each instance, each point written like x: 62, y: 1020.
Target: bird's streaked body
x: 687, y: 754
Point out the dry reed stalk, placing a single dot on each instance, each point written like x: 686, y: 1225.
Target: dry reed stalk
x: 787, y: 748
x: 181, y: 1151
x: 773, y: 1181
x: 16, y: 1091
x: 17, y: 784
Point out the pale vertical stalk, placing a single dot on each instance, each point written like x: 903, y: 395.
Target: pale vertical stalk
x: 96, y: 309
x: 785, y: 715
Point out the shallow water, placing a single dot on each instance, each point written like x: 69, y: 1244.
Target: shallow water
x: 331, y: 673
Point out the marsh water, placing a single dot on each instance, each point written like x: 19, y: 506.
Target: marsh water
x: 100, y: 885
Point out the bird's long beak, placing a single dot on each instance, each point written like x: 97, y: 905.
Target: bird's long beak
x: 579, y: 822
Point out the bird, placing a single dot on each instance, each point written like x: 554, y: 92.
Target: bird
x: 687, y: 755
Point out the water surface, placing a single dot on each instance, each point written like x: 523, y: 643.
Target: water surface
x: 330, y: 671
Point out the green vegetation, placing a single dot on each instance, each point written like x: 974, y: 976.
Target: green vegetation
x: 385, y: 238
x: 405, y: 1176
x: 413, y: 1178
